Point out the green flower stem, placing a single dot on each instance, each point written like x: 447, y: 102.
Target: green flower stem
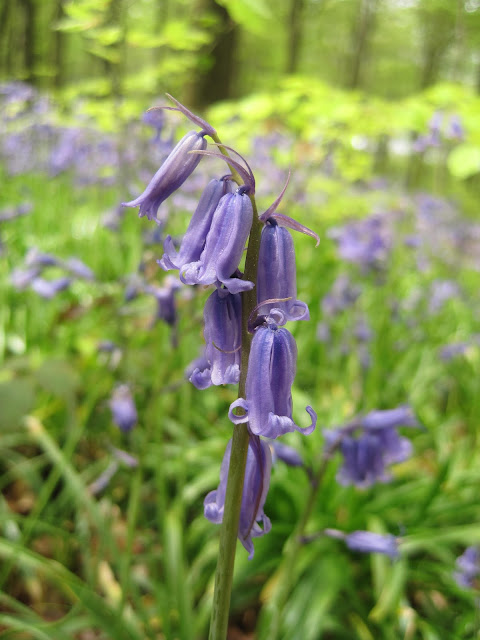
x: 238, y: 457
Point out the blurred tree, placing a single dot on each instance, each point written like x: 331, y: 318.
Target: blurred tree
x: 29, y: 9
x: 361, y: 33
x: 437, y: 19
x: 295, y: 34
x: 216, y: 60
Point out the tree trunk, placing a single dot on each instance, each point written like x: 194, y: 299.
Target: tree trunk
x: 58, y: 49
x: 215, y: 83
x: 295, y: 34
x: 30, y: 52
x: 361, y: 33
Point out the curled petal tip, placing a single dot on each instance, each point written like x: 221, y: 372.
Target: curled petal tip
x: 192, y: 117
x: 286, y: 221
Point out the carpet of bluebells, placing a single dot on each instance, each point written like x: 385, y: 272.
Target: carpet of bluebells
x: 108, y: 451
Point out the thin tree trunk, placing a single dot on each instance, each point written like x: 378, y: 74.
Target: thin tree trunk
x: 216, y: 82
x: 30, y: 53
x: 58, y: 49
x: 361, y: 34
x: 295, y: 35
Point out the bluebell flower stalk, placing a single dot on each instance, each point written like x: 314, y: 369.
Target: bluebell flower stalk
x: 224, y: 222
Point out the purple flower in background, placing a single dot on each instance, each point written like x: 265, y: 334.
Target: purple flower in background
x: 285, y: 453
x: 165, y: 297
x: 468, y: 567
x: 35, y: 258
x: 10, y: 213
x: 78, y: 268
x: 171, y: 175
x: 49, y: 288
x: 379, y: 420
x: 271, y: 371
x: 194, y: 239
x: 21, y: 278
x: 342, y: 295
x: 224, y: 245
x: 255, y: 489
x: 371, y: 443
x: 454, y: 349
x: 365, y: 242
x: 277, y: 273
x: 455, y: 128
x: 122, y: 405
x: 441, y: 291
x: 223, y: 337
x: 155, y: 118
x: 367, y: 542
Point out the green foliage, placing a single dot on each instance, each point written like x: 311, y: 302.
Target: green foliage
x: 137, y: 559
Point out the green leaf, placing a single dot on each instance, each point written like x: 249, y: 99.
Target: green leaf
x: 58, y: 377
x: 16, y: 399
x: 464, y: 161
x: 252, y: 15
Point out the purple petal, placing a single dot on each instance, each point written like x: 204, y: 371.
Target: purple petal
x: 277, y: 273
x: 171, y: 175
x: 224, y: 245
x: 193, y: 242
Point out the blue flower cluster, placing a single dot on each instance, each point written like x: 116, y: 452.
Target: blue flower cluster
x: 210, y: 254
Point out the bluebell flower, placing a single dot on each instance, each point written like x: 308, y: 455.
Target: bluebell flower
x: 271, y: 371
x: 367, y: 542
x: 22, y: 278
x: 277, y: 276
x: 468, y: 567
x: 49, y: 288
x: 78, y: 268
x: 223, y: 337
x: 171, y: 175
x: 224, y: 245
x: 104, y: 479
x: 255, y: 489
x: 285, y: 453
x: 342, y: 295
x: 455, y: 128
x: 369, y: 444
x: 35, y: 258
x: 193, y: 242
x: 122, y: 405
x: 12, y: 212
x: 165, y: 298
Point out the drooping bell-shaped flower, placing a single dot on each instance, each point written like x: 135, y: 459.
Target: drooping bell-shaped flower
x: 370, y: 444
x: 255, y: 489
x: 171, y: 175
x: 224, y: 245
x: 122, y: 405
x: 271, y: 371
x: 367, y: 541
x: 223, y: 337
x: 194, y: 239
x: 277, y: 273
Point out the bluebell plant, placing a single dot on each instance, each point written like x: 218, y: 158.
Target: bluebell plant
x: 246, y: 342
